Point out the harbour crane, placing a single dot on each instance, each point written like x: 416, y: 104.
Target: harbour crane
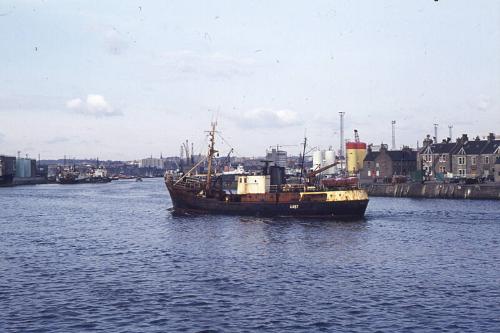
x: 356, y: 136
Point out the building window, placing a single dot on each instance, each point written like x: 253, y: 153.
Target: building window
x: 442, y: 169
x: 473, y: 160
x: 442, y: 158
x: 486, y: 160
x: 461, y: 160
x: 461, y: 172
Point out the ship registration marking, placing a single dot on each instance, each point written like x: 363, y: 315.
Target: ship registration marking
x: 294, y: 206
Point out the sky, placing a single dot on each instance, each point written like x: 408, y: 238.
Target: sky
x: 129, y: 79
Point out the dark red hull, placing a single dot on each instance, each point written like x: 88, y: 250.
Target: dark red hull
x: 186, y: 201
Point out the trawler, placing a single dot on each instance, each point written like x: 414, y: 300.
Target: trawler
x: 264, y: 194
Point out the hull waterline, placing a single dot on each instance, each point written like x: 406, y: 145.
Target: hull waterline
x: 188, y: 202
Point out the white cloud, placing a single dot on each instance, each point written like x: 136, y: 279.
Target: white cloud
x: 269, y: 118
x: 483, y: 103
x: 216, y: 64
x: 94, y: 105
x: 74, y: 103
x: 97, y: 103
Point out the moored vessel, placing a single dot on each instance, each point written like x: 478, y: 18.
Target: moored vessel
x: 264, y: 194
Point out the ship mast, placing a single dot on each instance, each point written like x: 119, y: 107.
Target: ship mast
x: 303, y: 159
x: 211, y: 152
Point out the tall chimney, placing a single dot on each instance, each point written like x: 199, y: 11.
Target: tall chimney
x: 393, y: 123
x: 341, y: 134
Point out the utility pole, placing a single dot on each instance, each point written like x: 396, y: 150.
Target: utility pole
x: 393, y: 123
x: 341, y: 151
x: 192, y: 152
x: 436, y: 133
x: 450, y: 127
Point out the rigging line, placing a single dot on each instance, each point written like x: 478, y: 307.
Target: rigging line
x: 227, y: 143
x: 189, y: 172
x: 235, y: 152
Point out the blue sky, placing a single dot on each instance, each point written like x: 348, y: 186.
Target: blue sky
x: 127, y: 79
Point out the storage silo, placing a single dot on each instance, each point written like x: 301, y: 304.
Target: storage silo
x: 27, y: 167
x: 329, y: 159
x: 19, y: 168
x: 356, y: 152
x: 317, y: 159
x: 23, y: 167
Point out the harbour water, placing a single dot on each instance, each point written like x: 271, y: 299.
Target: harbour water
x: 112, y: 258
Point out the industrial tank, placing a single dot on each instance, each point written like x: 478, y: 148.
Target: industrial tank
x: 330, y: 159
x: 23, y: 168
x: 356, y: 152
x: 317, y: 159
x: 322, y: 158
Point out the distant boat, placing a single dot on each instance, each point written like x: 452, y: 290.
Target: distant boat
x: 92, y: 176
x: 138, y: 179
x: 240, y: 170
x: 69, y: 176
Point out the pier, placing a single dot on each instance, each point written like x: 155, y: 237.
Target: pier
x: 436, y: 190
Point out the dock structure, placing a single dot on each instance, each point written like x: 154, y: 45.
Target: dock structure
x: 490, y: 191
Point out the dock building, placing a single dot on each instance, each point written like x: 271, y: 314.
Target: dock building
x: 387, y: 163
x: 463, y: 158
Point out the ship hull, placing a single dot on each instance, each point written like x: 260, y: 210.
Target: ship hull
x: 69, y: 181
x: 189, y: 202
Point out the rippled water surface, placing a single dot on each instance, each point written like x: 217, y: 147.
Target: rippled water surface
x: 112, y: 258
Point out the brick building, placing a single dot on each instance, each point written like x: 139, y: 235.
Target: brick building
x: 463, y: 158
x: 388, y: 163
